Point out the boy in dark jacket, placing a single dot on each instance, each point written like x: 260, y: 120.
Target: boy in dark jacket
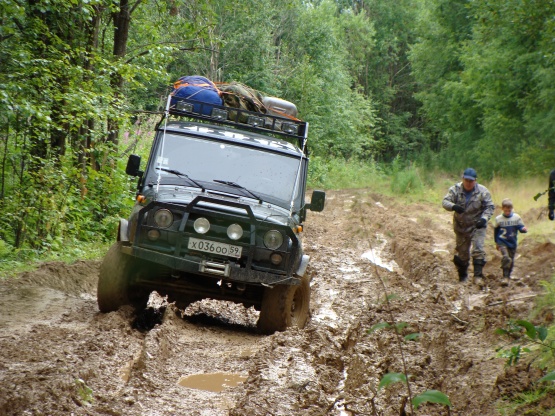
x: 506, y: 228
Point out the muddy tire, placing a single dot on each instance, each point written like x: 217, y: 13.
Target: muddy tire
x: 116, y: 273
x: 284, y: 306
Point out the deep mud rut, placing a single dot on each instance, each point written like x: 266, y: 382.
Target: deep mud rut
x: 60, y: 356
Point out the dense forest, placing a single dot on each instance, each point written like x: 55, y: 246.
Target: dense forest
x: 437, y: 83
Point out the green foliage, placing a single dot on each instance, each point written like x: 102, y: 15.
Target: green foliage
x: 84, y: 392
x: 413, y: 337
x: 528, y: 402
x: 421, y: 85
x: 339, y: 173
x: 389, y: 81
x: 341, y: 118
x: 548, y: 377
x: 523, y: 333
x: 378, y: 326
x: 484, y: 71
x: 547, y: 300
x: 5, y: 249
x: 431, y: 396
x: 405, y: 180
x: 392, y: 378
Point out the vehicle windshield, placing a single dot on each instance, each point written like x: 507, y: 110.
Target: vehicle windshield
x: 268, y: 175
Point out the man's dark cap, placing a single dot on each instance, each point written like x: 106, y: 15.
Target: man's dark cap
x: 470, y: 173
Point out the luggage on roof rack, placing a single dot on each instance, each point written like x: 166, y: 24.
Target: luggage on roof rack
x: 197, y: 88
x: 237, y: 105
x: 239, y: 118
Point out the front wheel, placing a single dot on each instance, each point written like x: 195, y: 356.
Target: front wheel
x: 284, y: 306
x: 117, y: 272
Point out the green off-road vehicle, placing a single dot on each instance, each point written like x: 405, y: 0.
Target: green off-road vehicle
x: 219, y: 214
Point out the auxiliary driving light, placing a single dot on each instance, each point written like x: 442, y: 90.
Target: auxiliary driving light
x: 153, y: 235
x: 290, y: 128
x: 201, y: 225
x: 163, y: 218
x: 273, y: 239
x: 235, y: 231
x: 255, y: 121
x: 219, y: 114
x: 183, y: 106
x: 276, y: 258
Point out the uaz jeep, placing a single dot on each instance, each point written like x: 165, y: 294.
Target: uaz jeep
x: 219, y: 214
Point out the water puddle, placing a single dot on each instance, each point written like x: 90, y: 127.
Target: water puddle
x: 440, y: 249
x: 374, y: 256
x: 215, y: 382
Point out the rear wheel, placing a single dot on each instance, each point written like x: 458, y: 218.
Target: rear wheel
x: 284, y: 306
x: 117, y: 273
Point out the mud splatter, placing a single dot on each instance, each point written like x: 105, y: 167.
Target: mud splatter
x: 61, y: 356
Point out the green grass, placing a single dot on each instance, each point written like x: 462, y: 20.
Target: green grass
x: 527, y: 403
x: 344, y: 174
x: 15, y: 262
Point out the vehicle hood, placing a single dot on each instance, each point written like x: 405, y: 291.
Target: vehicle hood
x: 184, y: 195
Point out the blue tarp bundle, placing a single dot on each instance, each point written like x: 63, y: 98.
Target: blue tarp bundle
x: 198, y: 88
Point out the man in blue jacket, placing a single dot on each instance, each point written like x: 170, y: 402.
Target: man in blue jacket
x: 473, y: 207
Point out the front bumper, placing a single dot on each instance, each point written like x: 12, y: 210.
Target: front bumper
x: 227, y: 270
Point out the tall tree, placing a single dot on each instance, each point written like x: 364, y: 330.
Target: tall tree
x: 121, y: 17
x: 482, y: 67
x: 388, y: 79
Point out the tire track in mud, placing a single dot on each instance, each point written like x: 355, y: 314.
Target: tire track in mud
x: 61, y: 356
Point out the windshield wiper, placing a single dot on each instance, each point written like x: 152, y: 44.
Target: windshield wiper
x: 236, y: 185
x: 182, y: 175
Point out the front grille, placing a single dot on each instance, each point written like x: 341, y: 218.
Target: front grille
x: 174, y: 239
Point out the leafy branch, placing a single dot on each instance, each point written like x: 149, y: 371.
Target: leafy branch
x: 524, y: 333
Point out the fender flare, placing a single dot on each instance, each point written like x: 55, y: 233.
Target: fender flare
x: 303, y: 265
x: 123, y: 234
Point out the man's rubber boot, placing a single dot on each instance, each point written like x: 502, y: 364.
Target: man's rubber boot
x: 478, y: 274
x: 462, y: 268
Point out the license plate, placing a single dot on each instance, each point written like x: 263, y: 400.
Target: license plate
x: 214, y: 247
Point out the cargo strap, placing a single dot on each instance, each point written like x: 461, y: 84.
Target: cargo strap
x: 179, y: 84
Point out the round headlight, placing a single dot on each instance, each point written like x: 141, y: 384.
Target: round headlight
x: 202, y: 225
x: 163, y: 218
x: 235, y: 231
x: 273, y: 239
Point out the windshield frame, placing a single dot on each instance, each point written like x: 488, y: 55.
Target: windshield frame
x: 255, y: 148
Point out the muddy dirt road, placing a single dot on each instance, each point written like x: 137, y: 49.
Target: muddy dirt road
x: 60, y: 356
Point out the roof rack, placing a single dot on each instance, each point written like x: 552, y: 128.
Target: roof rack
x: 239, y: 118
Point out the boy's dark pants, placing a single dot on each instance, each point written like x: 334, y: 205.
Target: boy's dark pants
x: 508, y: 260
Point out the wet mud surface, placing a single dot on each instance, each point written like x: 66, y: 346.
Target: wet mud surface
x: 373, y: 260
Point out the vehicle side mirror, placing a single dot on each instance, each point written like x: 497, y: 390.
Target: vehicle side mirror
x: 317, y: 201
x: 133, y: 165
